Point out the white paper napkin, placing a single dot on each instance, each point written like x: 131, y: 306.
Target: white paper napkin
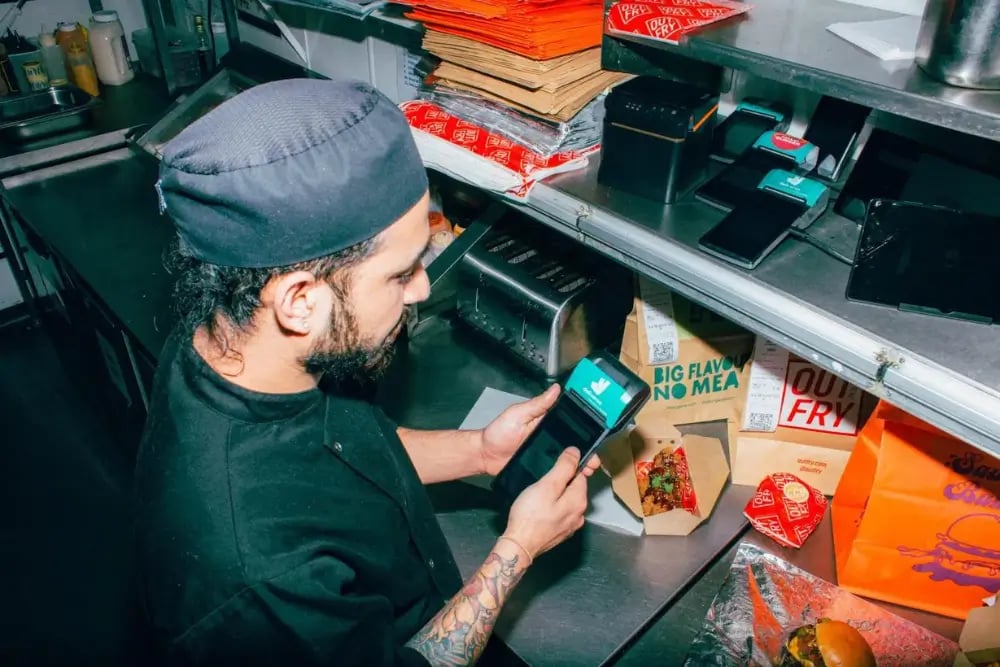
x: 886, y: 39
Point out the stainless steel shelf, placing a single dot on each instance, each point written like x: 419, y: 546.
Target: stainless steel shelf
x: 787, y: 40
x: 946, y: 372
x: 386, y: 23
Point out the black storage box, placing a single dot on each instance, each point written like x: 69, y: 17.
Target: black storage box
x: 657, y: 137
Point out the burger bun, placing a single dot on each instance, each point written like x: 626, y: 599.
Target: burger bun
x: 843, y: 646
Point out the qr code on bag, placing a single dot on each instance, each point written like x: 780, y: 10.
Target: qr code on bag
x: 760, y: 421
x: 663, y: 352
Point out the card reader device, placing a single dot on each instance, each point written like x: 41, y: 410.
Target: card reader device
x: 782, y: 201
x: 598, y: 400
x: 835, y: 127
x: 749, y: 120
x: 771, y: 150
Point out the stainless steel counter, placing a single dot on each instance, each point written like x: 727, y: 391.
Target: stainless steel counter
x: 787, y: 40
x: 100, y: 214
x: 585, y: 601
x: 118, y: 109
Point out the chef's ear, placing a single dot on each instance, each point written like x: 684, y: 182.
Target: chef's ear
x: 295, y: 301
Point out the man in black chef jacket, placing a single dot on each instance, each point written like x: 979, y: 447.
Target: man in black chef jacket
x: 279, y: 523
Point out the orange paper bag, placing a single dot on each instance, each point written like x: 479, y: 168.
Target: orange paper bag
x: 916, y: 517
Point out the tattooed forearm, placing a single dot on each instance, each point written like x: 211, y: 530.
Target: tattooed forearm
x: 459, y: 632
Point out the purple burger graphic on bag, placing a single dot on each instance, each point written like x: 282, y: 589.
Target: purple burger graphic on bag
x: 968, y: 553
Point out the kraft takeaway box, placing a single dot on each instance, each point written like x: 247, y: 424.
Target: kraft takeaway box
x: 798, y: 419
x: 671, y: 482
x: 695, y: 362
x: 980, y: 638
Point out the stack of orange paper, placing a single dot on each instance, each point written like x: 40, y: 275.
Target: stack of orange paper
x: 539, y: 29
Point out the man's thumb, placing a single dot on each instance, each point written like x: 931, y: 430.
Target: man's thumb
x: 540, y: 404
x: 564, y: 470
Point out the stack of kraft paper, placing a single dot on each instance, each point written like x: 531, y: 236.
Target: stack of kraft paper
x: 555, y: 89
x: 539, y: 57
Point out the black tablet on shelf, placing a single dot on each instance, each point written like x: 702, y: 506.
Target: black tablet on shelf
x: 928, y: 259
x: 894, y: 167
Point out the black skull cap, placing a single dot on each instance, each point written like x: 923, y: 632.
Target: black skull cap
x: 290, y: 171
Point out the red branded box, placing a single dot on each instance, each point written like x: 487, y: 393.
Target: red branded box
x: 786, y: 509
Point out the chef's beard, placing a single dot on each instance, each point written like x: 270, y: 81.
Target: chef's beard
x: 344, y: 358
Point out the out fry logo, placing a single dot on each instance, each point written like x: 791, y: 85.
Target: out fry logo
x: 499, y: 155
x: 817, y: 400
x: 663, y: 27
x: 631, y: 12
x: 498, y: 142
x: 675, y: 11
x: 465, y: 136
x: 436, y: 128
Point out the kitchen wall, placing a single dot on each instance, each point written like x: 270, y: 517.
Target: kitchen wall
x: 37, y: 13
x: 331, y: 54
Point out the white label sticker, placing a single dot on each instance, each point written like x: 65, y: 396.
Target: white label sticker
x: 657, y: 315
x: 817, y: 400
x: 767, y: 382
x: 796, y: 492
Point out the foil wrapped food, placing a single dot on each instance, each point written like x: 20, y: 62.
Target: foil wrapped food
x: 765, y: 597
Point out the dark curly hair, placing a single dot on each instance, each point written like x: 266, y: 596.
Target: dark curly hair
x: 224, y: 298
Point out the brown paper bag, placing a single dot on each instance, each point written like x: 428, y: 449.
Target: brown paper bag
x: 701, y: 474
x: 797, y: 418
x: 695, y: 361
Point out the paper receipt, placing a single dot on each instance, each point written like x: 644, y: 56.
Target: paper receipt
x: 657, y: 316
x: 767, y: 383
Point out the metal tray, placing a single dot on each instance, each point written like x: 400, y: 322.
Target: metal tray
x: 187, y: 109
x: 32, y: 116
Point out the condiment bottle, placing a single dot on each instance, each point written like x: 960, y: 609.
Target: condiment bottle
x: 109, y: 50
x: 82, y: 67
x: 67, y: 36
x: 71, y: 33
x: 53, y: 59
